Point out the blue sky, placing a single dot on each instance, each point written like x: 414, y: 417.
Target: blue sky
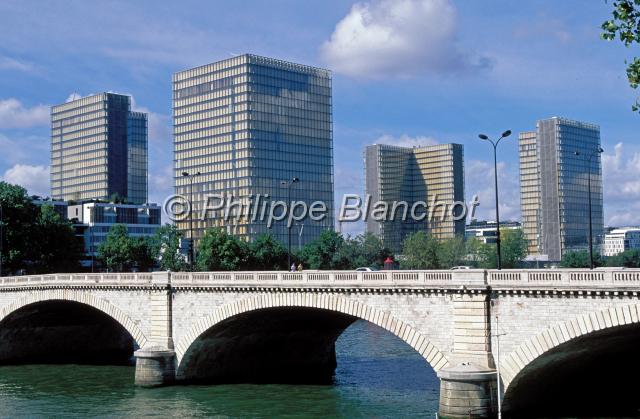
x: 405, y: 72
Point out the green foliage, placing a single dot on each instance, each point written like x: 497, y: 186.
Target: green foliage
x: 364, y: 250
x: 18, y: 214
x: 267, y: 254
x: 513, y: 248
x: 34, y: 238
x: 165, y: 247
x: 626, y: 26
x: 627, y: 259
x: 121, y: 253
x: 322, y: 253
x: 220, y: 251
x: 55, y: 247
x: 420, y: 251
x: 116, y: 252
x: 579, y: 259
x: 332, y: 251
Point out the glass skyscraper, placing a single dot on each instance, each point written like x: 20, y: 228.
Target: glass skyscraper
x: 554, y: 177
x: 98, y: 150
x: 247, y: 125
x: 431, y: 174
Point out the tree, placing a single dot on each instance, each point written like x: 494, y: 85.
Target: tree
x: 165, y: 247
x: 142, y: 253
x: 628, y: 259
x: 267, y: 254
x: 55, y: 247
x: 579, y: 259
x: 117, y: 251
x: 322, y: 253
x: 452, y: 252
x: 420, y: 251
x: 220, y: 251
x: 18, y: 215
x: 362, y: 250
x: 513, y: 248
x: 626, y: 26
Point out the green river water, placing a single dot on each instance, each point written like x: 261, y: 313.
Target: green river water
x: 378, y: 376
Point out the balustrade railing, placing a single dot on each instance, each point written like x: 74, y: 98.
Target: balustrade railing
x: 516, y: 278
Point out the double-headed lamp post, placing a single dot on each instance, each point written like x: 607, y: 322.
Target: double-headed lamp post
x: 495, y: 174
x: 192, y: 256
x: 589, y: 161
x: 287, y: 184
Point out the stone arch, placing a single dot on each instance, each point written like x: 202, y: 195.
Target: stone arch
x: 434, y: 357
x: 562, y: 333
x: 79, y: 297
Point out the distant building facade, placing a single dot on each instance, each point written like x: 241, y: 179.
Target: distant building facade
x: 246, y: 125
x: 554, y: 176
x: 620, y: 239
x: 487, y: 231
x: 93, y: 220
x: 98, y: 150
x: 431, y: 174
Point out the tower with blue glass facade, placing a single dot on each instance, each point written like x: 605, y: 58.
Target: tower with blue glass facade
x: 245, y: 127
x: 558, y: 163
x: 98, y: 150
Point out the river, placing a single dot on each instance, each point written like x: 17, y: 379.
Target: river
x: 378, y: 376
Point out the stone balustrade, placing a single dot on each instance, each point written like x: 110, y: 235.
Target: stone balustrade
x: 513, y: 278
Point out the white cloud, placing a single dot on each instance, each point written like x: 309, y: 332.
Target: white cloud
x: 479, y: 180
x: 8, y: 63
x: 407, y: 141
x: 13, y: 114
x: 403, y: 38
x: 35, y: 179
x: 621, y: 186
x: 74, y: 96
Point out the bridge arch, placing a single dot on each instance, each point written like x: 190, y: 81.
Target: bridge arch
x: 325, y: 302
x: 81, y: 297
x: 582, y: 342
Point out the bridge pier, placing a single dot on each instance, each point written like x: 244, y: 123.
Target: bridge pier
x: 467, y: 391
x: 156, y: 363
x: 155, y: 367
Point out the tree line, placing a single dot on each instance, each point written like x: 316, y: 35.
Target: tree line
x: 36, y: 239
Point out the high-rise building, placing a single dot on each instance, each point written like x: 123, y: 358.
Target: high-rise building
x: 245, y: 127
x: 431, y: 174
x: 98, y: 150
x: 529, y: 189
x: 556, y: 162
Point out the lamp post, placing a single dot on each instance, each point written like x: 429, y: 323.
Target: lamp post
x: 593, y: 153
x: 288, y: 184
x: 192, y: 256
x: 495, y: 174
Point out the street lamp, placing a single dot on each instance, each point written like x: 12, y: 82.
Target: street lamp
x: 191, y: 244
x: 593, y: 153
x: 495, y: 174
x: 287, y: 184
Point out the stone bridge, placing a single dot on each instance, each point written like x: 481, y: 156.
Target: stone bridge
x: 552, y: 337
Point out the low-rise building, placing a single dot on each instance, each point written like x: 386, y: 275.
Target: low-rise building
x: 93, y: 220
x: 486, y: 231
x: 620, y: 239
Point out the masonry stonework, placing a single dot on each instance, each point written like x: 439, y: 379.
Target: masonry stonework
x: 457, y: 321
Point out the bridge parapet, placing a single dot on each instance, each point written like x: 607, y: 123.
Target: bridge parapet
x: 566, y: 278
x: 77, y: 279
x: 332, y: 279
x: 511, y: 278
